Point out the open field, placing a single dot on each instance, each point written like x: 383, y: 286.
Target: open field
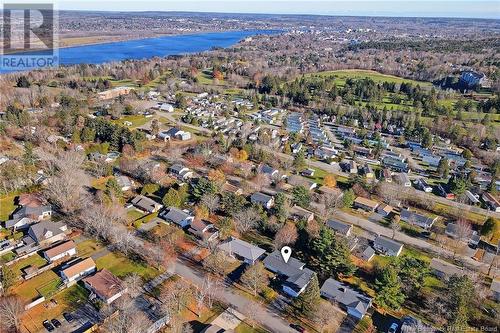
x: 122, y: 266
x: 361, y: 74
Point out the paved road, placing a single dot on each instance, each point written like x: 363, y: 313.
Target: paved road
x: 268, y: 318
x: 412, y: 241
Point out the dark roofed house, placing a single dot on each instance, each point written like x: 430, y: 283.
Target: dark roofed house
x: 297, y: 276
x: 243, y: 250
x: 146, y: 204
x: 19, y: 223
x: 34, y: 212
x: 105, y: 286
x: 355, y: 303
x: 340, y: 227
x: 203, y: 229
x: 387, y: 246
x: 266, y: 169
x: 262, y: 199
x: 180, y: 217
x: 296, y: 180
x: 417, y: 219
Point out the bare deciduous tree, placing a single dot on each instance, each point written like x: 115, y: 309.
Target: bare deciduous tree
x: 211, y: 201
x: 11, y: 309
x: 287, y: 235
x: 246, y: 220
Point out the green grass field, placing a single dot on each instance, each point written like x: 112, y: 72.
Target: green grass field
x: 122, y: 266
x: 136, y: 120
x: 34, y: 260
x: 7, y: 206
x: 342, y: 75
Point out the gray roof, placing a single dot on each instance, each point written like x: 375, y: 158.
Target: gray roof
x: 39, y: 230
x: 242, y: 249
x: 177, y: 168
x: 275, y: 263
x: 29, y: 210
x: 340, y: 227
x: 300, y: 279
x: 495, y: 286
x: 416, y: 218
x: 368, y: 253
x: 144, y: 202
x: 346, y: 296
x: 175, y: 215
x: 446, y: 267
x: 13, y: 222
x: 267, y: 169
x: 259, y: 197
x: 388, y: 243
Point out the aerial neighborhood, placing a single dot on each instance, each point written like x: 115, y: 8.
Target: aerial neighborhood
x: 158, y: 195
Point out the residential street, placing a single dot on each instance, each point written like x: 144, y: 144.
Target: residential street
x: 416, y: 242
x: 267, y: 317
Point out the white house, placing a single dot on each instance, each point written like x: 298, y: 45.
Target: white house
x: 75, y: 271
x: 66, y: 249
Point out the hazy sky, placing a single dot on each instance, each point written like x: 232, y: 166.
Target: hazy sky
x: 422, y: 8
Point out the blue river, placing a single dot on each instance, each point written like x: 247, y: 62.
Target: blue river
x: 152, y: 47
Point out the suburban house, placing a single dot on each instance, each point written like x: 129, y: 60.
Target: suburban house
x: 47, y: 232
x: 297, y: 276
x: 178, y: 134
x: 65, y: 249
x: 165, y: 107
x: 296, y: 180
x: 355, y: 303
x: 74, y: 271
x: 417, y: 219
x: 421, y: 184
x: 384, y: 210
x: 181, y: 171
x: 242, y: 250
x: 19, y: 223
x: 37, y: 213
x: 444, y: 269
x: 365, y: 204
x: 175, y: 215
x: 367, y: 254
x: 228, y: 187
x: 341, y: 228
x: 299, y: 213
x: 491, y: 201
x: 146, y: 204
x: 164, y: 136
x: 387, y: 246
x: 444, y: 191
x: 124, y: 182
x: 262, y: 199
x: 495, y: 288
x: 105, y: 286
x: 267, y: 170
x: 333, y: 191
x: 203, y: 229
x: 307, y: 173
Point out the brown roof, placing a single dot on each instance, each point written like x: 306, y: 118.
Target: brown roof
x: 385, y: 208
x: 227, y: 187
x: 29, y: 199
x: 366, y: 202
x: 59, y: 249
x: 79, y: 267
x: 105, y: 284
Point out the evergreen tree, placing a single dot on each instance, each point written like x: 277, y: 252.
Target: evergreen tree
x: 29, y: 156
x: 308, y: 301
x: 331, y: 255
x: 461, y: 293
x: 204, y: 186
x: 301, y: 196
x: 299, y: 163
x: 388, y: 288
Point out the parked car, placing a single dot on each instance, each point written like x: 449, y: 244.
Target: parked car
x: 68, y: 316
x: 48, y: 325
x: 393, y: 328
x: 56, y: 322
x: 298, y: 328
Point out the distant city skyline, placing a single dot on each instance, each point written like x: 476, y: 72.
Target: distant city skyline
x: 424, y: 8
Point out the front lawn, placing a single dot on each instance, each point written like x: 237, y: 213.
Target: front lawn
x: 7, y: 206
x: 122, y: 266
